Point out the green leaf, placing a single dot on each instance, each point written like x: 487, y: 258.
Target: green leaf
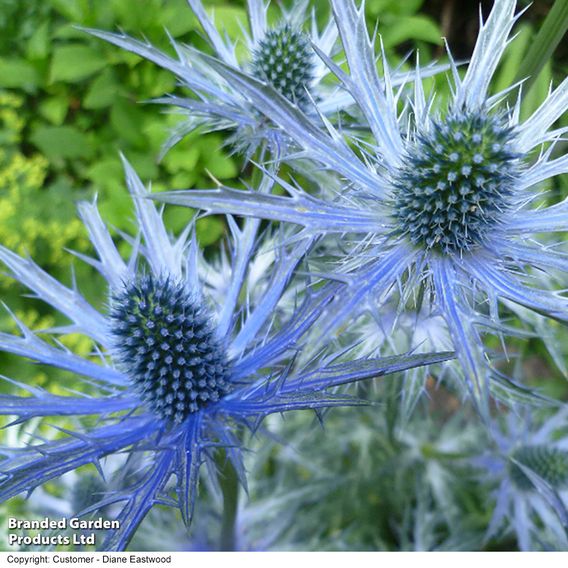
x: 127, y: 120
x: 209, y: 230
x: 19, y: 74
x: 175, y: 25
x: 182, y: 157
x: 154, y: 81
x: 72, y: 63
x: 129, y: 14
x: 420, y: 28
x: 177, y: 218
x: 549, y: 36
x: 107, y: 174
x: 62, y: 142
x: 102, y: 91
x: 38, y: 44
x: 68, y: 31
x: 116, y: 208
x: 184, y: 179
x: 229, y: 19
x: 54, y: 109
x: 144, y: 165
x: 380, y: 7
x: 73, y: 10
x: 538, y: 93
x: 215, y: 161
x: 56, y: 202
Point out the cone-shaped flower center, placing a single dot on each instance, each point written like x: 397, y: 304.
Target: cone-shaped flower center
x: 284, y: 59
x: 456, y: 182
x: 549, y: 463
x: 166, y: 344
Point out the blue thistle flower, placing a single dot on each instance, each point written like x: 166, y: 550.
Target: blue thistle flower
x: 528, y: 462
x: 187, y: 356
x: 281, y: 56
x: 443, y: 200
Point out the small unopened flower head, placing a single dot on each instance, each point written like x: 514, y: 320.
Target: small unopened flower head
x: 548, y: 462
x: 166, y: 345
x: 456, y: 182
x: 284, y: 59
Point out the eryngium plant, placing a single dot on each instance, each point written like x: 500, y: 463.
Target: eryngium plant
x: 186, y: 356
x: 444, y: 200
x: 282, y: 56
x: 528, y: 465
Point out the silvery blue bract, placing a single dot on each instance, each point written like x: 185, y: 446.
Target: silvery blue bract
x: 283, y: 55
x: 443, y: 204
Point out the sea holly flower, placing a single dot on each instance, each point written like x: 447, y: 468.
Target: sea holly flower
x: 280, y: 55
x: 528, y: 463
x: 443, y: 204
x: 186, y: 356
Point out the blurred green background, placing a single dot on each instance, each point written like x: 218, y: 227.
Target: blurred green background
x: 69, y: 103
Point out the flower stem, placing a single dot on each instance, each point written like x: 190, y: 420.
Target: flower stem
x: 230, y: 488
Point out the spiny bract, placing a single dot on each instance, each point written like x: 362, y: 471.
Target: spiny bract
x: 159, y: 376
x: 445, y: 199
x: 167, y: 345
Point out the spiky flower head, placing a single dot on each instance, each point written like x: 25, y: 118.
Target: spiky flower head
x: 282, y: 56
x: 456, y: 182
x: 526, y: 464
x: 165, y: 342
x: 187, y: 355
x: 443, y: 201
x: 548, y: 462
x: 285, y: 59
